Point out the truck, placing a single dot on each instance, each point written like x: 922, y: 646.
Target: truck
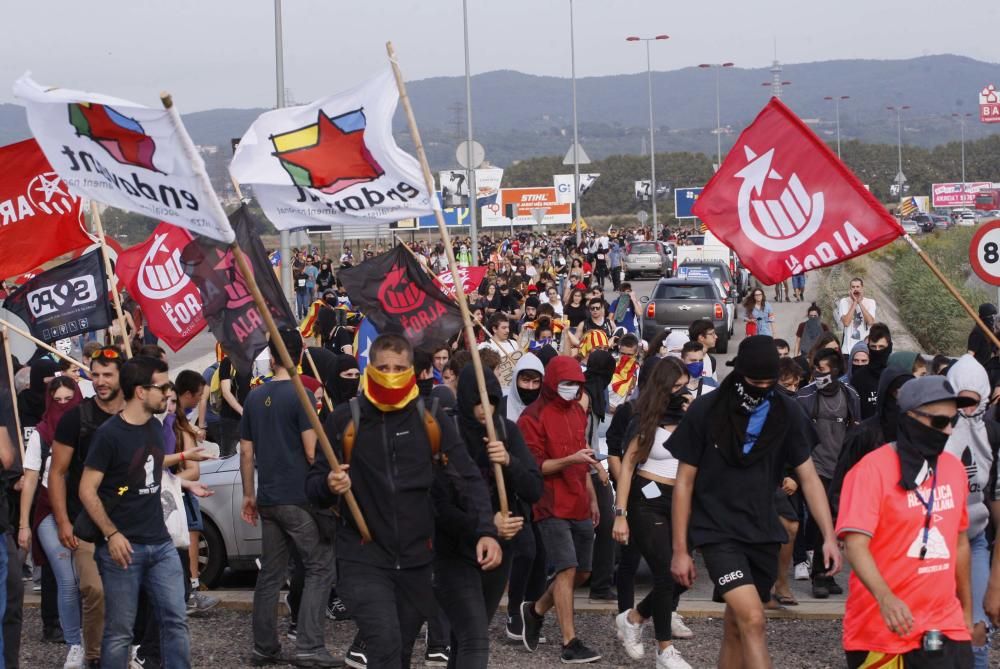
x: 709, y: 247
x: 988, y: 200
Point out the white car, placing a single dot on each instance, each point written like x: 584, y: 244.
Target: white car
x: 910, y: 227
x: 965, y: 218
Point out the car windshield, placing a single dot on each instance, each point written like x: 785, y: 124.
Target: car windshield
x: 696, y: 240
x: 642, y: 248
x: 679, y: 291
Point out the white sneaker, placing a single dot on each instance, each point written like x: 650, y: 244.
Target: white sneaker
x: 670, y: 658
x: 74, y: 658
x: 802, y: 571
x: 630, y: 635
x: 678, y: 629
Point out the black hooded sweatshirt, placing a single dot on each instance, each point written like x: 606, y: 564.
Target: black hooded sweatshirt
x: 870, y: 433
x: 867, y: 380
x: 455, y: 525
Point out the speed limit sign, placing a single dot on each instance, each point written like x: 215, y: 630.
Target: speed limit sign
x: 984, y: 252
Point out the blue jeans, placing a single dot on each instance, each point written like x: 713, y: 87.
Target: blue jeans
x: 157, y: 569
x: 61, y: 560
x: 302, y: 302
x: 980, y: 578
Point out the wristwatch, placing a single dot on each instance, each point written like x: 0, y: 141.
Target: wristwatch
x: 621, y: 513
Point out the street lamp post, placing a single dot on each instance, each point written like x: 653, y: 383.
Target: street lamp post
x: 776, y: 86
x: 718, y: 110
x: 961, y: 121
x: 284, y: 236
x: 576, y: 137
x: 652, y: 146
x: 471, y: 175
x: 900, y: 177
x: 836, y: 101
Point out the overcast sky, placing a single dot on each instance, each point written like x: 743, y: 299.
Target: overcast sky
x: 220, y: 53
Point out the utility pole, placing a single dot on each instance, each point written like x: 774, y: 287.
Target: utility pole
x: 652, y: 145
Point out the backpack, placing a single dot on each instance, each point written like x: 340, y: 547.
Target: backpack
x: 431, y: 427
x: 215, y: 399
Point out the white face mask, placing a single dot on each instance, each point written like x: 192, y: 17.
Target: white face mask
x: 568, y: 391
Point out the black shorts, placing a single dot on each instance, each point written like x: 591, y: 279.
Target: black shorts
x: 784, y: 506
x: 732, y: 564
x: 953, y: 655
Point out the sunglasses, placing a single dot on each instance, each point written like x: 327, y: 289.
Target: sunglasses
x: 938, y: 422
x: 163, y: 387
x: 108, y: 353
x: 596, y: 308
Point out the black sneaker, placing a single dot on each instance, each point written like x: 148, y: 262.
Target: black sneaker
x: 605, y: 595
x: 576, y: 653
x: 336, y: 610
x: 436, y: 657
x: 514, y: 627
x: 832, y: 586
x: 292, y: 631
x: 357, y: 655
x: 819, y: 589
x: 259, y: 659
x: 321, y: 658
x: 532, y: 626
x: 53, y: 635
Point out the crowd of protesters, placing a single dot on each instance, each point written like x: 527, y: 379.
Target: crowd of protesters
x: 609, y: 449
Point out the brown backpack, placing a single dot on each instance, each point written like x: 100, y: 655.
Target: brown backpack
x: 431, y: 427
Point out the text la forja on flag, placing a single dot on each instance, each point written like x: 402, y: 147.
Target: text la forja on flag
x: 333, y: 161
x: 125, y: 155
x: 786, y: 204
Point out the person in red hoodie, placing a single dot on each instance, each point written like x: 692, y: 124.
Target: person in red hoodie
x: 553, y: 428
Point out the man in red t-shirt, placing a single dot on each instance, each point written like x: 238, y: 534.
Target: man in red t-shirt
x: 553, y: 428
x: 903, y: 518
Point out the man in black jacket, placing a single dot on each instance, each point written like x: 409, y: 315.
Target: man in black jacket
x: 389, y: 466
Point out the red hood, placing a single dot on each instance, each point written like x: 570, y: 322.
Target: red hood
x: 560, y: 369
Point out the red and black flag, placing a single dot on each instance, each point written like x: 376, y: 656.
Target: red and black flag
x: 229, y: 307
x: 394, y: 292
x: 65, y: 301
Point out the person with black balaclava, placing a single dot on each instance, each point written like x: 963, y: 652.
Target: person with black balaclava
x: 981, y: 347
x: 833, y: 407
x: 903, y: 519
x: 870, y: 433
x: 345, y: 381
x: 467, y: 595
x: 600, y: 369
x: 733, y: 445
x: 866, y: 379
x: 31, y: 400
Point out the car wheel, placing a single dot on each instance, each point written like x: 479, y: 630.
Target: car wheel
x: 722, y: 344
x: 211, y: 554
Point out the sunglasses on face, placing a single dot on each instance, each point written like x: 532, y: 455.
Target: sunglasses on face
x: 938, y: 422
x: 163, y: 387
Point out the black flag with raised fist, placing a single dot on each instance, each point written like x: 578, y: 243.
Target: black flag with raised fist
x: 395, y: 293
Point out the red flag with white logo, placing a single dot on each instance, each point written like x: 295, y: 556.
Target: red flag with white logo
x: 786, y: 204
x: 39, y: 218
x: 471, y: 278
x: 170, y: 300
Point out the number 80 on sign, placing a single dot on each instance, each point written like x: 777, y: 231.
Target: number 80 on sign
x: 984, y: 253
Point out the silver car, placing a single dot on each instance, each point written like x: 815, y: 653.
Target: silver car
x: 647, y: 258
x: 226, y: 541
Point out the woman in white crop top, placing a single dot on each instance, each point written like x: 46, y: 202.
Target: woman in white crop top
x: 642, y: 506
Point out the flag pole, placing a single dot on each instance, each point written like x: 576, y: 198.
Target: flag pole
x: 463, y: 304
x: 312, y: 366
x: 38, y: 342
x: 112, y: 278
x: 954, y: 292
x: 286, y: 359
x: 13, y: 395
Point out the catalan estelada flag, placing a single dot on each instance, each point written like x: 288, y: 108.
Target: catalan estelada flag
x: 908, y: 207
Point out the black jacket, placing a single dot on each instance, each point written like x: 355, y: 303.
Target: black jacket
x: 392, y: 471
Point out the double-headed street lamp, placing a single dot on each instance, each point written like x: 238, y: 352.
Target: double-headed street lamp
x: 836, y: 101
x: 652, y: 148
x: 776, y: 87
x: 900, y: 177
x: 718, y: 120
x: 961, y: 121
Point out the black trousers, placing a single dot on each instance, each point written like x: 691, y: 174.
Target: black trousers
x: 527, y: 570
x: 388, y: 606
x: 469, y: 597
x: 628, y: 565
x: 14, y: 614
x: 650, y: 527
x: 604, y: 544
x: 814, y: 538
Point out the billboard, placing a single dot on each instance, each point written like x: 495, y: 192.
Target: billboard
x: 684, y: 199
x: 989, y: 105
x: 564, y: 186
x: 515, y: 204
x: 952, y: 194
x: 455, y: 187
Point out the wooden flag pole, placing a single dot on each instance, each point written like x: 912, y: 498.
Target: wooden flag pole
x: 112, y: 279
x: 312, y: 365
x: 13, y: 395
x: 38, y: 342
x: 954, y: 292
x: 463, y: 304
x: 286, y: 359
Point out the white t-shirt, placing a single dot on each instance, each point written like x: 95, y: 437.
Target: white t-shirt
x: 504, y: 348
x: 857, y: 330
x: 33, y: 457
x: 660, y: 462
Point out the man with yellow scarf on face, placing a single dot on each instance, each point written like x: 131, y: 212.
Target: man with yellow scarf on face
x: 384, y: 439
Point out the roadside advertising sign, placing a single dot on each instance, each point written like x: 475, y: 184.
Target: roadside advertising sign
x: 684, y: 199
x: 953, y: 195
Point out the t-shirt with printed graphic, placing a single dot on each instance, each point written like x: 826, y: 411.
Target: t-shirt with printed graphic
x: 873, y: 503
x: 131, y: 457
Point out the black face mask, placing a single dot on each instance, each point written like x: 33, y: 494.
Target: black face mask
x: 346, y: 389
x: 674, y: 412
x: 879, y: 359
x: 425, y: 386
x: 750, y: 396
x: 915, y: 443
x: 528, y: 395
